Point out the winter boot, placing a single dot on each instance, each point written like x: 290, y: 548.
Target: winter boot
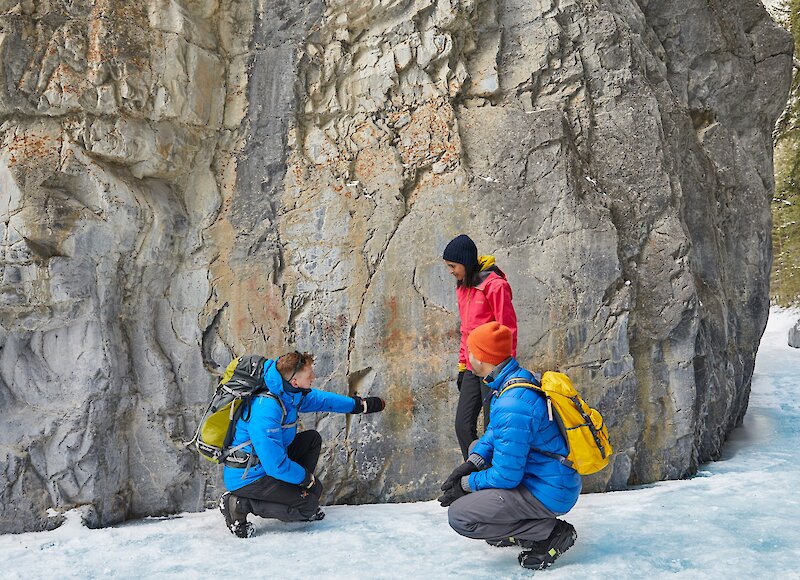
x: 546, y: 552
x: 235, y: 519
x: 317, y: 516
x: 512, y: 541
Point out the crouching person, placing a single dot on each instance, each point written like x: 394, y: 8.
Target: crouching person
x: 279, y: 482
x: 509, y: 492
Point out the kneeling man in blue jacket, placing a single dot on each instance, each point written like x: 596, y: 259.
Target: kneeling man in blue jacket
x: 507, y: 492
x: 281, y: 484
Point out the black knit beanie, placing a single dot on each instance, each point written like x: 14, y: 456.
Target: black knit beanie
x: 461, y: 250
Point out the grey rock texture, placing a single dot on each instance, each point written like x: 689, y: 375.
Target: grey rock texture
x: 116, y: 120
x: 794, y: 335
x: 186, y: 180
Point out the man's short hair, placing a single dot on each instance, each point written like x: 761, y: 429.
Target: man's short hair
x: 293, y: 362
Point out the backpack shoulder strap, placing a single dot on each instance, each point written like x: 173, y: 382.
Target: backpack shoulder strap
x: 284, y: 412
x: 249, y: 459
x: 278, y: 399
x: 517, y: 382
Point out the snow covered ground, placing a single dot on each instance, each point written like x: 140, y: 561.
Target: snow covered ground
x: 740, y: 517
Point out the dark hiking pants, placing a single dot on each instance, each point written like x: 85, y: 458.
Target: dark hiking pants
x: 496, y: 514
x: 473, y: 396
x: 272, y: 498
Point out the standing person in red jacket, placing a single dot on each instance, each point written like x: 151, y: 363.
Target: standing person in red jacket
x: 484, y: 295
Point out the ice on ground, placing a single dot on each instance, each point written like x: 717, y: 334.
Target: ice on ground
x: 740, y: 517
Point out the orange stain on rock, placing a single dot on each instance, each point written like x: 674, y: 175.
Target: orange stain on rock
x: 399, y: 407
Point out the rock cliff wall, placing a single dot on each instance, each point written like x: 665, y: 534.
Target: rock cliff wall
x: 184, y: 180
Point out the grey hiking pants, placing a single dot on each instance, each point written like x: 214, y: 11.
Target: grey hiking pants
x: 495, y: 514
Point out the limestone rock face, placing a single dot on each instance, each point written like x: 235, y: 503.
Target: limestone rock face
x: 117, y: 119
x: 185, y: 180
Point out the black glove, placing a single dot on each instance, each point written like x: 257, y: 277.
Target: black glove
x: 460, y: 380
x: 455, y: 478
x: 368, y: 405
x: 451, y: 495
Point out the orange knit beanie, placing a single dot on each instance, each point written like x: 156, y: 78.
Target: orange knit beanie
x: 491, y: 343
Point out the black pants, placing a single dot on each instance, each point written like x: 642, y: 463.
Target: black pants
x: 474, y: 394
x: 272, y: 498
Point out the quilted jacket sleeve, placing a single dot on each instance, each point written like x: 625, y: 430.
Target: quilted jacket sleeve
x: 323, y: 401
x: 498, y: 294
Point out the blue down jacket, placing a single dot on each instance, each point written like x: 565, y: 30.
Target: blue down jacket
x: 518, y: 421
x: 270, y: 438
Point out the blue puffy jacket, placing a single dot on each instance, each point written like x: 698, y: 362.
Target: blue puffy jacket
x: 270, y: 439
x: 518, y: 421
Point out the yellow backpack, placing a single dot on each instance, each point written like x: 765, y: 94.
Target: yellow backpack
x: 582, y: 426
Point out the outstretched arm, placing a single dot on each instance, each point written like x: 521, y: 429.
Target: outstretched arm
x: 323, y: 401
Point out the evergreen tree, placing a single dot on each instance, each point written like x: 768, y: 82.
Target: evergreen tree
x: 785, y: 278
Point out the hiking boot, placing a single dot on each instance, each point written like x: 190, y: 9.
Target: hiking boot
x: 513, y: 541
x: 559, y: 541
x: 235, y: 520
x: 317, y: 516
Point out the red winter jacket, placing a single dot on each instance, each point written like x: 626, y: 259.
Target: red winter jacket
x: 489, y: 300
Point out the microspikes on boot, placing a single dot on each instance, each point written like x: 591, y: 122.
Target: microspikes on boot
x: 560, y: 540
x: 235, y: 520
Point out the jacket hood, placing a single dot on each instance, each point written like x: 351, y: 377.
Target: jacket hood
x: 488, y: 267
x: 485, y: 262
x: 510, y: 370
x: 277, y: 385
x: 272, y: 378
